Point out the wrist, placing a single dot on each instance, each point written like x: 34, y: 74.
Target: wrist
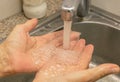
x: 5, y: 63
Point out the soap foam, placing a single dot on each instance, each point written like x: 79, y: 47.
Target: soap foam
x: 67, y: 56
x: 64, y: 61
x: 60, y: 61
x: 53, y: 70
x: 42, y: 55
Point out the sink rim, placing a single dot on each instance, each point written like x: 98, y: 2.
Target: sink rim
x: 97, y: 22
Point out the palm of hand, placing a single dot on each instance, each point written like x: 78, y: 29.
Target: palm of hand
x: 23, y: 48
x: 66, y: 61
x: 17, y: 46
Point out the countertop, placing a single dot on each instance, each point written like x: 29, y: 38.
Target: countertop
x: 7, y: 25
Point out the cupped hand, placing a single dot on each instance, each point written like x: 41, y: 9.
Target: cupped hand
x: 24, y: 50
x: 72, y: 65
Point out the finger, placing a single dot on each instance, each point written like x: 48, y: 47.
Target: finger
x: 59, y: 41
x: 72, y: 44
x: 21, y: 29
x: 30, y: 24
x: 92, y: 75
x: 80, y: 45
x: 48, y: 37
x: 53, y: 35
x: 85, y: 56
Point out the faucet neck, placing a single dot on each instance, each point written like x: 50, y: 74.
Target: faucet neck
x: 83, y: 8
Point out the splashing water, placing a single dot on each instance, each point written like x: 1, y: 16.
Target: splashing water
x: 66, y: 35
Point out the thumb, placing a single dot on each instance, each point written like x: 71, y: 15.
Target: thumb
x: 93, y: 74
x: 30, y: 24
x: 20, y: 30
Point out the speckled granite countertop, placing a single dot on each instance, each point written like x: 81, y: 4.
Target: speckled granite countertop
x: 6, y: 25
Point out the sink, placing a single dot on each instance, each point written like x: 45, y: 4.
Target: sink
x: 106, y: 39
x: 97, y: 30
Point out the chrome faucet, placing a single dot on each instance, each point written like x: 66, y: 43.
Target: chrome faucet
x: 71, y: 8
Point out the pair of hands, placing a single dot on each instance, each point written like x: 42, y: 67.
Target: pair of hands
x: 45, y: 54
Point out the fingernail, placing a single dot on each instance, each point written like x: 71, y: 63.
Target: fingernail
x: 35, y: 19
x: 116, y: 70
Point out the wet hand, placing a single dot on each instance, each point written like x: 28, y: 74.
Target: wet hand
x: 72, y: 65
x: 23, y: 49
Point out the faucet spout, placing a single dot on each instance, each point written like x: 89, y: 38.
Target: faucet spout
x: 70, y: 8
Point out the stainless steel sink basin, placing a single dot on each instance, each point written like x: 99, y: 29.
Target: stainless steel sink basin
x: 106, y: 40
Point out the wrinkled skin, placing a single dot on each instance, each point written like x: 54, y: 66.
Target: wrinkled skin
x: 20, y: 46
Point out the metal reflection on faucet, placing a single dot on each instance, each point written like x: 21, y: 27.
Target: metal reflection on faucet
x: 70, y: 8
